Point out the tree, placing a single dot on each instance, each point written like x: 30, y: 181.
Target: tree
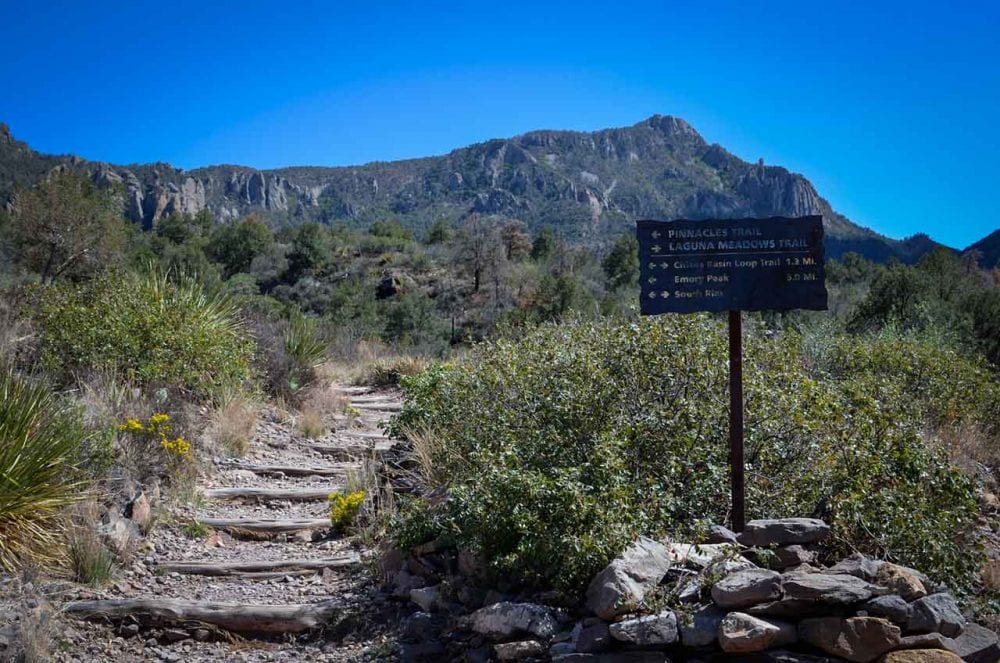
x: 391, y: 228
x: 311, y: 251
x: 544, y: 245
x: 517, y: 242
x: 621, y: 266
x: 235, y: 245
x: 67, y: 227
x: 438, y: 233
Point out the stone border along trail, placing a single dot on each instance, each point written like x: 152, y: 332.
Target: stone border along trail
x: 269, y: 583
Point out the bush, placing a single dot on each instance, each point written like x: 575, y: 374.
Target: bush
x: 344, y: 508
x: 147, y: 330
x: 39, y: 439
x: 561, y: 446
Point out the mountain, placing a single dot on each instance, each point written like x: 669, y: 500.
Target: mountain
x: 988, y: 250
x: 590, y: 185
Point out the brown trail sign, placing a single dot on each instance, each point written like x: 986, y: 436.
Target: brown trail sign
x: 734, y: 265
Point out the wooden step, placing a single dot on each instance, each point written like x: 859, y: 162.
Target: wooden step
x: 256, y: 528
x: 270, y: 494
x: 289, y: 470
x: 264, y: 569
x: 236, y: 618
x: 376, y: 406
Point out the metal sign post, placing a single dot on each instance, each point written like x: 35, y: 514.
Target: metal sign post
x: 732, y: 265
x: 736, y: 465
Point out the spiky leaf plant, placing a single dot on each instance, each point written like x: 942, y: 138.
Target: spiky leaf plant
x: 39, y: 440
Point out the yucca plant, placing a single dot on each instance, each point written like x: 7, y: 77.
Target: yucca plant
x: 306, y: 348
x: 39, y: 441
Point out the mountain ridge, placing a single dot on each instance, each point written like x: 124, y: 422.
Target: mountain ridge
x: 589, y: 185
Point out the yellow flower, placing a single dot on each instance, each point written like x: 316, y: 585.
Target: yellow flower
x: 177, y: 447
x: 130, y: 426
x: 344, y: 508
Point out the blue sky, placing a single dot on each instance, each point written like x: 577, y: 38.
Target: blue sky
x: 891, y: 108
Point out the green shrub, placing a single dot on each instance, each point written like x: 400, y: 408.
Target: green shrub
x: 39, y: 440
x: 561, y: 446
x: 149, y: 330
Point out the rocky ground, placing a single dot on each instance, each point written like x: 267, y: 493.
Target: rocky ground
x: 290, y: 557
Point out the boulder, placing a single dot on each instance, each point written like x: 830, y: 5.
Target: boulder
x: 720, y: 534
x: 937, y: 612
x: 747, y: 588
x: 785, y: 656
x: 700, y: 556
x: 658, y: 629
x: 702, y: 629
x: 858, y: 639
x: 787, y: 608
x: 977, y: 644
x: 892, y: 607
x: 783, y: 531
x: 900, y: 581
x: 740, y: 633
x: 140, y: 512
x: 427, y: 598
x: 828, y: 589
x: 621, y: 586
x: 518, y: 651
x: 921, y: 656
x: 615, y: 657
x: 926, y: 641
x: 504, y: 620
x: 120, y: 534
x: 593, y: 637
x: 857, y: 565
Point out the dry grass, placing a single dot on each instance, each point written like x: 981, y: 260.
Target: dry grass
x: 233, y: 424
x: 319, y: 409
x: 974, y: 450
x: 387, y: 372
x: 91, y: 562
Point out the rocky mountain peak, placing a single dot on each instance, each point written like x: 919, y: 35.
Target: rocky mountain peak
x: 5, y: 137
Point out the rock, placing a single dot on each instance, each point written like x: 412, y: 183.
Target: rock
x: 504, y: 620
x: 720, y: 534
x: 701, y: 556
x: 977, y: 644
x: 828, y: 589
x: 427, y: 598
x: 593, y: 637
x: 658, y: 629
x: 703, y: 627
x: 783, y: 531
x: 420, y: 652
x: 740, y: 633
x: 746, y: 588
x: 404, y: 582
x: 899, y: 581
x: 937, y: 612
x: 787, y: 608
x: 621, y: 586
x: 471, y: 565
x: 857, y: 565
x: 175, y: 635
x: 139, y: 512
x: 926, y: 641
x: 615, y: 657
x: 921, y: 656
x: 201, y: 634
x: 785, y: 656
x: 892, y: 607
x: 422, y: 626
x: 784, y: 557
x: 518, y: 651
x: 859, y: 639
x: 120, y: 534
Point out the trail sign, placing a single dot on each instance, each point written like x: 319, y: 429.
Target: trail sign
x: 734, y: 265
x: 771, y: 264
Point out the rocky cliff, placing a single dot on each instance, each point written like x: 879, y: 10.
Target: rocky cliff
x: 589, y: 185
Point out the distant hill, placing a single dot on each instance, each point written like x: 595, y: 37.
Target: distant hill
x: 588, y: 185
x: 988, y: 250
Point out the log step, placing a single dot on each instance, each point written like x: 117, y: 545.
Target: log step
x: 268, y: 494
x: 266, y: 569
x: 257, y: 528
x: 236, y: 618
x: 290, y: 470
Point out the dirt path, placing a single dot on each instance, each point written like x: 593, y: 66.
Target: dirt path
x: 269, y: 582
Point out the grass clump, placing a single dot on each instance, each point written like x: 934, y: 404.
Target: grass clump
x: 195, y: 529
x: 91, y: 562
x: 40, y: 441
x: 233, y: 425
x: 559, y: 447
x: 389, y: 372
